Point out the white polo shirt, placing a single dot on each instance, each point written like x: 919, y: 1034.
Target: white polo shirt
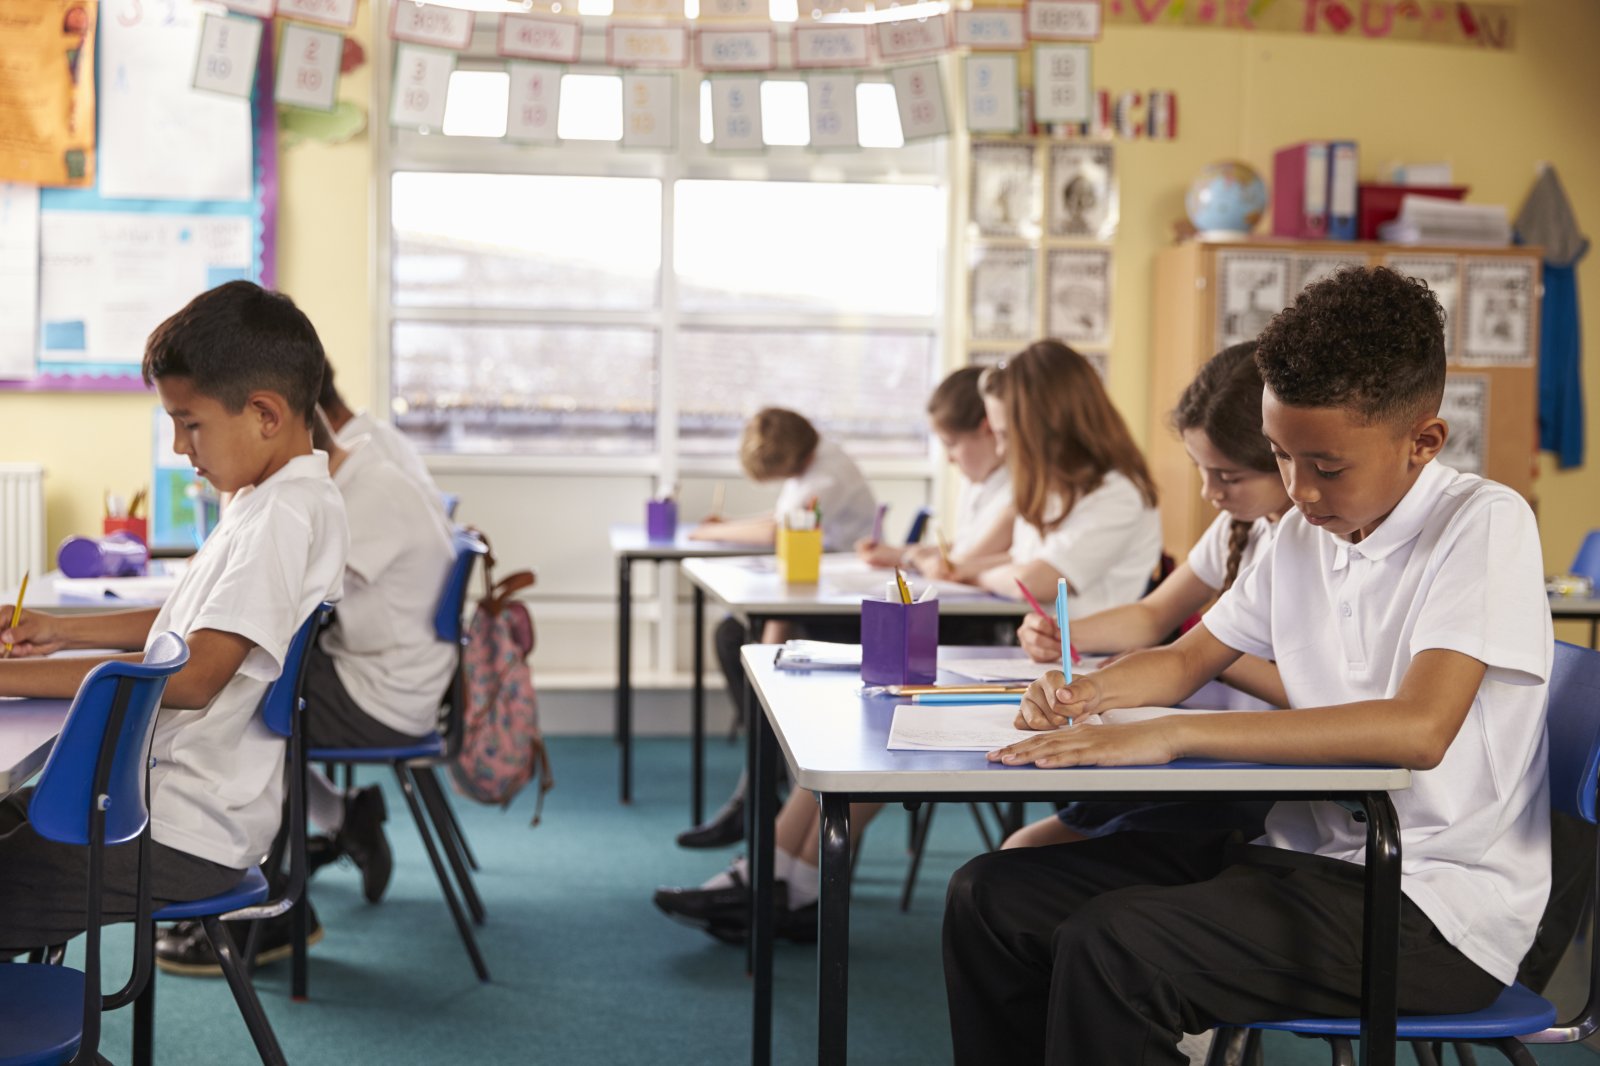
x: 217, y: 787
x: 1209, y: 556
x: 980, y: 506
x: 1107, y: 547
x: 847, y: 503
x: 382, y: 641
x: 1456, y: 566
x: 393, y: 446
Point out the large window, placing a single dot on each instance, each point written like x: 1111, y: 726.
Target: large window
x: 589, y: 300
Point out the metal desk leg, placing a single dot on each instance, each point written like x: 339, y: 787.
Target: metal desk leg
x: 697, y: 707
x: 764, y: 802
x: 1381, y: 936
x: 752, y: 755
x: 624, y: 723
x: 833, y: 935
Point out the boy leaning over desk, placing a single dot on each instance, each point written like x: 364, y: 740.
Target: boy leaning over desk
x: 237, y: 370
x: 1403, y: 603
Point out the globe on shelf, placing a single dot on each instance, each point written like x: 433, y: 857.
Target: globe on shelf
x: 1226, y: 200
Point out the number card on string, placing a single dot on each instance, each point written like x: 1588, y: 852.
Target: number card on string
x: 992, y: 94
x: 261, y: 9
x: 736, y: 114
x: 647, y: 115
x: 341, y: 13
x: 734, y: 10
x: 534, y: 103
x: 913, y: 37
x: 554, y: 40
x: 833, y: 110
x: 830, y: 46
x: 1061, y: 83
x: 227, y: 59
x: 919, y: 94
x: 998, y: 29
x: 1064, y: 20
x: 308, y: 68
x: 442, y: 27
x: 421, y: 83
x: 736, y: 49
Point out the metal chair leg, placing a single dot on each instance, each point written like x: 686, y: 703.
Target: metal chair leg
x: 918, y: 844
x: 463, y: 926
x: 144, y: 1016
x: 1342, y: 1053
x: 433, y: 803
x: 1426, y: 1054
x: 455, y: 823
x: 983, y: 827
x: 244, y: 993
x: 1227, y: 1047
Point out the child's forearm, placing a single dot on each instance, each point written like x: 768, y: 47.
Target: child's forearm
x: 759, y: 531
x: 126, y: 630
x: 1118, y: 629
x: 1258, y: 678
x: 49, y: 678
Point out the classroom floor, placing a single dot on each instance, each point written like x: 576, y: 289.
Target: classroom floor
x: 585, y: 970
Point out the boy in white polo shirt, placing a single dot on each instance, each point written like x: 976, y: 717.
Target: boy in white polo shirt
x: 237, y: 369
x: 1404, y: 605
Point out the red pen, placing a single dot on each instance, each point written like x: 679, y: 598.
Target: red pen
x: 1043, y: 614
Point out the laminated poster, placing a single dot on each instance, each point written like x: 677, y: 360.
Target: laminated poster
x: 1443, y: 275
x: 1083, y: 191
x: 1466, y: 409
x: 1251, y: 288
x: 1003, y: 191
x: 47, y: 92
x: 1079, y: 284
x: 1002, y: 295
x: 1498, y: 319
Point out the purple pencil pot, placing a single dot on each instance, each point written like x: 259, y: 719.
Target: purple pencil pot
x: 114, y: 555
x: 899, y: 642
x: 661, y: 519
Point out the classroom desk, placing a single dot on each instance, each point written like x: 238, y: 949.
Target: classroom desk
x: 630, y: 544
x: 1579, y: 608
x: 51, y: 593
x: 28, y: 730
x: 834, y: 742
x: 752, y: 591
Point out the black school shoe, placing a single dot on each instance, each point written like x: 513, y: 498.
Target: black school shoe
x: 798, y: 925
x: 362, y: 838
x: 721, y: 829
x: 183, y: 948
x: 724, y: 913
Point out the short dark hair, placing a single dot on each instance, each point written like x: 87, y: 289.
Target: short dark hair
x: 235, y: 339
x: 328, y: 397
x: 956, y: 406
x: 1367, y: 339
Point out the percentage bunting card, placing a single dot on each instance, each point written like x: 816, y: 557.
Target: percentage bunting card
x: 308, y: 68
x: 226, y: 62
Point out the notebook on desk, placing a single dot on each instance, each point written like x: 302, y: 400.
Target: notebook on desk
x: 987, y: 727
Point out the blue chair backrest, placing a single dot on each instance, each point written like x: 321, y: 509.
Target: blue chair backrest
x: 66, y: 793
x: 1587, y: 561
x: 919, y: 524
x: 278, y: 705
x: 1573, y: 721
x: 453, y: 597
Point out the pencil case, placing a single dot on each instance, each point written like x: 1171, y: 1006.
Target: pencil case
x: 799, y: 555
x: 117, y: 555
x: 661, y: 519
x: 899, y: 642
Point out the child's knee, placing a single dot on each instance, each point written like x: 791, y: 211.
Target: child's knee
x: 974, y: 887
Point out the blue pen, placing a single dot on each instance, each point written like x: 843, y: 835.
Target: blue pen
x: 976, y: 697
x: 1066, y: 637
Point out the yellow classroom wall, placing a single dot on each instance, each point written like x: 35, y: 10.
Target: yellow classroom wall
x: 1493, y: 115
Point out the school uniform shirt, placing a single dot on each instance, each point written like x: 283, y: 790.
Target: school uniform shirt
x: 844, y: 496
x: 393, y: 446
x: 216, y: 790
x: 1209, y: 556
x: 1107, y: 547
x: 1457, y: 566
x: 382, y: 641
x: 980, y: 505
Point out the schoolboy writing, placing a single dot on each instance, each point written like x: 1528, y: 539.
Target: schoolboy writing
x: 237, y: 370
x: 1403, y: 602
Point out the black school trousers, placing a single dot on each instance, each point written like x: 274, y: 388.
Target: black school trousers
x: 1104, y: 952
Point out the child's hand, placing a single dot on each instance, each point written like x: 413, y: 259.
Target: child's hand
x: 933, y: 565
x: 1047, y: 705
x: 34, y: 634
x: 872, y: 553
x: 706, y: 530
x: 1040, y: 637
x: 1148, y: 743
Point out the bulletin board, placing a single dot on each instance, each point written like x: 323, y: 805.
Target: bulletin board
x: 136, y: 260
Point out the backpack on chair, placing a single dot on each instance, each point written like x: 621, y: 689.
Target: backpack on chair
x: 502, y: 748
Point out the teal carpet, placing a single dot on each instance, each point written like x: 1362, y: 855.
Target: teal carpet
x: 584, y: 969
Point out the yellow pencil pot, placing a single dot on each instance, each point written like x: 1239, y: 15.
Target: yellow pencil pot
x: 800, y: 555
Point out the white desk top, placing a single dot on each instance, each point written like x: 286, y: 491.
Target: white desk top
x: 28, y: 730
x: 834, y: 740
x: 751, y: 585
x: 631, y: 542
x: 54, y: 594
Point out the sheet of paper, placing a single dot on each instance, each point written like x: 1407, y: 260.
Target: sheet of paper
x: 142, y: 589
x: 229, y: 47
x: 19, y: 279
x: 988, y: 726
x: 818, y: 655
x: 161, y: 139
x: 997, y: 669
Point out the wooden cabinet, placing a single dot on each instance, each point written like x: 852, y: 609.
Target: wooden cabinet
x: 1210, y: 295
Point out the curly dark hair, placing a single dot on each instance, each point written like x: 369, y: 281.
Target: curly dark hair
x: 1367, y: 339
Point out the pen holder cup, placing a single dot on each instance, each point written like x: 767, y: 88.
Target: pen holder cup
x: 899, y: 642
x: 661, y: 519
x: 800, y: 555
x: 116, y: 555
x: 137, y: 527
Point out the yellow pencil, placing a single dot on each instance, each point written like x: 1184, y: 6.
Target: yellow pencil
x: 944, y: 546
x: 16, y: 612
x: 900, y: 582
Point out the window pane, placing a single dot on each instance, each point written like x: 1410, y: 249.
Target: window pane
x: 591, y: 108
x: 878, y: 116
x: 785, y: 113
x: 865, y: 389
x: 531, y: 390
x: 797, y: 247
x: 526, y: 241
x: 476, y: 104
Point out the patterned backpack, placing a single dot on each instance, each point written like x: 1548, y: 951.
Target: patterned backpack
x: 502, y: 748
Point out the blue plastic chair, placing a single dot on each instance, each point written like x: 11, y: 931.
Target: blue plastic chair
x: 1587, y: 562
x: 415, y: 766
x: 280, y: 711
x: 1519, y: 1016
x: 93, y: 793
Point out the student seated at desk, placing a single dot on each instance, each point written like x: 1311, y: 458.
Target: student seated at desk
x: 1219, y: 419
x: 237, y: 369
x: 373, y: 680
x: 1404, y: 605
x: 779, y: 443
x: 389, y: 442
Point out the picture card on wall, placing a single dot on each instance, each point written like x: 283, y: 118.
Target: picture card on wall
x: 991, y: 82
x: 830, y: 46
x: 991, y: 28
x: 544, y: 37
x: 833, y: 110
x: 1078, y: 283
x: 1465, y: 409
x: 1083, y: 191
x: 432, y: 24
x: 647, y: 110
x: 919, y: 94
x: 341, y: 13
x: 226, y: 62
x: 534, y: 102
x: 1004, y: 192
x: 1251, y: 288
x: 308, y: 67
x: 1497, y: 326
x: 736, y: 114
x: 1001, y: 297
x: 421, y: 84
x: 647, y: 46
x: 1061, y: 91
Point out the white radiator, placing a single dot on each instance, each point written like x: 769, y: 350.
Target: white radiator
x: 21, y: 522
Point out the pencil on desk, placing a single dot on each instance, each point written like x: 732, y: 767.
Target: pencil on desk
x: 16, y: 612
x: 957, y: 690
x: 717, y: 495
x: 944, y: 546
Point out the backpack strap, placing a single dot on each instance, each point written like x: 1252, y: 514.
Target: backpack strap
x: 496, y: 593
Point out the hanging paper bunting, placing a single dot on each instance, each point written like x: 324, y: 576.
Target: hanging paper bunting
x: 1064, y: 20
x: 830, y: 46
x: 833, y: 110
x: 421, y: 83
x: 736, y: 114
x: 649, y: 9
x: 991, y: 82
x: 308, y: 68
x: 991, y: 29
x: 735, y: 49
x: 443, y: 27
x: 647, y: 110
x: 647, y: 46
x: 228, y: 50
x: 909, y: 38
x: 261, y: 9
x: 340, y: 13
x: 543, y: 37
x: 734, y: 11
x: 919, y: 94
x: 534, y: 102
x: 1061, y: 83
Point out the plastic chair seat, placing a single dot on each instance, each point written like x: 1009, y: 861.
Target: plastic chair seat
x: 1517, y: 1011
x: 429, y: 747
x: 41, y: 1014
x: 247, y: 893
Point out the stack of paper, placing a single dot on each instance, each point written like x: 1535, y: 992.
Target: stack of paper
x: 1431, y: 220
x: 818, y: 655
